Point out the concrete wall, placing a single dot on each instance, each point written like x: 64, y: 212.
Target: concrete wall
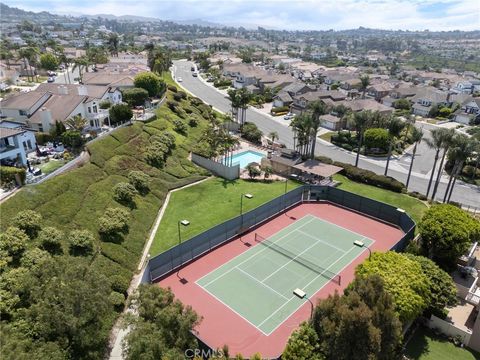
x: 449, y: 329
x: 474, y: 342
x: 227, y: 172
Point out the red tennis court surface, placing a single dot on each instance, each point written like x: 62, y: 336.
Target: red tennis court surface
x: 221, y: 326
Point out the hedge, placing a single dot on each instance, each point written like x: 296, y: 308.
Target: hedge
x: 366, y: 176
x: 279, y: 109
x: 7, y: 174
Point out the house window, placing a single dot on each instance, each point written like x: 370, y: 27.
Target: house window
x: 29, y: 143
x: 22, y: 112
x: 89, y: 110
x: 94, y: 108
x: 24, y: 145
x: 40, y: 128
x: 91, y: 123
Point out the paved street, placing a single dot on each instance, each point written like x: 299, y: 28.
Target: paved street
x: 464, y: 193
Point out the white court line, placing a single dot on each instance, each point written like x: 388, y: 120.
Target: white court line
x: 344, y: 228
x: 320, y: 240
x: 251, y: 256
x: 261, y: 283
x: 315, y: 278
x: 236, y: 312
x: 288, y: 262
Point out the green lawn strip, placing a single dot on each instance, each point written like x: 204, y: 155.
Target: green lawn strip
x: 327, y: 136
x: 425, y: 345
x: 208, y: 204
x: 414, y: 207
x: 51, y: 166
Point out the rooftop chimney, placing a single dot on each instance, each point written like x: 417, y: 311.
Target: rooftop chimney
x: 63, y: 90
x: 82, y: 90
x: 46, y: 119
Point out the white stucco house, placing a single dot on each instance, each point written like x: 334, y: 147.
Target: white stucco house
x: 16, y: 142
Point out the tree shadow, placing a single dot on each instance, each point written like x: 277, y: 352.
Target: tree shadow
x: 418, y: 344
x: 226, y: 182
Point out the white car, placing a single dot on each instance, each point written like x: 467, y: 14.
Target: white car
x: 179, y: 79
x: 289, y: 116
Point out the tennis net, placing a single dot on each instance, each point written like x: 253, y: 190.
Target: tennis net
x: 299, y: 260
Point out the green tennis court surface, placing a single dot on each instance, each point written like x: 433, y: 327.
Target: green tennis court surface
x: 258, y: 284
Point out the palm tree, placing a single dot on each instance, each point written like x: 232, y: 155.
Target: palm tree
x: 462, y: 148
x: 318, y: 108
x: 447, y: 142
x: 302, y: 126
x: 395, y: 128
x: 361, y: 121
x: 112, y: 44
x: 77, y: 122
x: 364, y: 84
x: 435, y: 143
x: 417, y: 136
x: 245, y: 97
x: 273, y: 136
x: 476, y: 146
x: 235, y: 102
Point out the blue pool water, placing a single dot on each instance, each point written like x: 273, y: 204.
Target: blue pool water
x: 247, y: 157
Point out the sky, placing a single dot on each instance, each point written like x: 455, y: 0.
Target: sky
x: 284, y: 14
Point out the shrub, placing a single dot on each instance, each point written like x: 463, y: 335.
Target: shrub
x: 139, y: 180
x: 193, y: 122
x: 117, y: 300
x: 113, y: 223
x: 179, y: 96
x: 324, y: 159
x: 179, y: 126
x: 42, y: 138
x: 195, y: 101
x: 376, y: 138
x: 48, y: 61
x: 81, y: 242
x: 222, y: 83
x: 72, y: 138
x: 119, y: 284
x: 105, y: 104
x: 280, y: 109
x: 251, y: 132
x: 50, y: 240
x: 124, y: 193
x: 135, y: 96
x: 172, y: 88
x: 155, y: 155
x: 149, y: 82
x: 29, y: 221
x: 13, y: 242
x: 9, y: 174
x: 120, y: 113
x: 172, y: 105
x: 402, y: 104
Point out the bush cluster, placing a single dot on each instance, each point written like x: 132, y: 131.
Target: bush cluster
x: 377, y: 138
x: 81, y: 242
x: 113, y: 223
x: 179, y: 96
x: 172, y: 88
x: 172, y: 105
x: 251, y: 132
x: 366, y: 176
x: 139, y: 180
x: 280, y: 109
x: 8, y: 175
x: 222, y: 82
x: 160, y: 147
x: 124, y: 193
x: 344, y: 139
x: 179, y: 126
x: 42, y: 138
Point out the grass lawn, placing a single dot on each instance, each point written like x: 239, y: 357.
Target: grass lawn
x: 210, y: 203
x: 414, y: 207
x: 327, y: 136
x: 425, y: 345
x: 51, y: 166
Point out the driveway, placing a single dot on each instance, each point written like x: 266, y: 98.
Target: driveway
x: 466, y: 194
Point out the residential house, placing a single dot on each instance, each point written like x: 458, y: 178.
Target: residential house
x: 427, y: 97
x: 400, y: 92
x: 285, y: 96
x: 330, y: 97
x: 108, y: 79
x: 332, y: 122
x: 16, y: 141
x: 466, y: 87
x: 379, y: 91
x: 366, y: 104
x: 469, y: 112
x: 41, y: 108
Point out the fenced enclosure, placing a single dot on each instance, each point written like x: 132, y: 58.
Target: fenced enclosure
x: 173, y: 258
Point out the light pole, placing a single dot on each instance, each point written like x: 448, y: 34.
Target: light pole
x: 362, y: 245
x: 184, y: 223
x: 302, y: 295
x: 248, y: 196
x: 285, y: 195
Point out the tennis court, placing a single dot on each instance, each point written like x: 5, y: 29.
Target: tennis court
x: 258, y: 284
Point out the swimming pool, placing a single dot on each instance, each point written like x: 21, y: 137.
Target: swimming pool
x: 246, y: 157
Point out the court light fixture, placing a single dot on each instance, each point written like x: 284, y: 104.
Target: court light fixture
x: 360, y: 244
x: 183, y: 222
x: 302, y: 295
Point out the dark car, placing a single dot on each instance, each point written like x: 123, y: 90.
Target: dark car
x: 192, y: 68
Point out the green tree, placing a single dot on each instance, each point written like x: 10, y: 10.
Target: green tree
x: 436, y: 143
x: 135, y: 96
x: 447, y: 232
x: 403, y: 280
x: 395, y: 127
x: 76, y: 122
x: 48, y: 61
x: 13, y: 243
x: 303, y: 344
x: 361, y: 121
x: 417, y: 136
x: 364, y: 84
x: 253, y: 171
x: 318, y: 108
x: 81, y: 242
x: 72, y: 138
x: 120, y: 113
x: 139, y: 180
x: 402, y: 104
x: 150, y: 82
x: 50, y: 239
x: 163, y: 328
x: 442, y: 290
x: 251, y: 132
x: 113, y: 223
x: 29, y: 221
x: 124, y: 193
x: 376, y: 138
x: 180, y: 127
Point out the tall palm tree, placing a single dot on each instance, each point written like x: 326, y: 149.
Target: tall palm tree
x: 234, y: 102
x: 435, y: 143
x: 318, y: 108
x: 462, y: 148
x: 245, y: 97
x: 395, y: 128
x: 112, y: 44
x: 273, y: 136
x: 364, y: 84
x: 361, y: 121
x: 476, y: 146
x: 447, y: 142
x: 417, y: 136
x: 302, y: 126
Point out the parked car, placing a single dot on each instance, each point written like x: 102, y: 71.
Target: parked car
x: 192, y: 68
x: 51, y: 73
x: 289, y: 116
x: 179, y: 79
x: 51, y: 79
x: 195, y: 74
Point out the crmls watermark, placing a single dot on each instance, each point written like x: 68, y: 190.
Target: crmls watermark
x: 204, y: 353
